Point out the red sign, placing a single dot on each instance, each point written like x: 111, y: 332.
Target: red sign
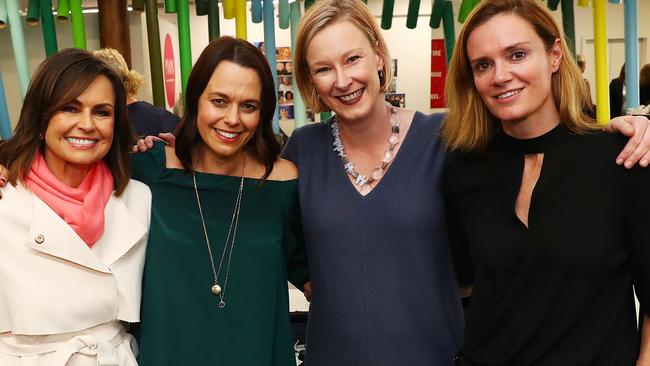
x: 438, y: 73
x: 169, y: 71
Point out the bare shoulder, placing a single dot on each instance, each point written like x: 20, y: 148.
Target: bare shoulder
x: 172, y: 161
x: 284, y: 170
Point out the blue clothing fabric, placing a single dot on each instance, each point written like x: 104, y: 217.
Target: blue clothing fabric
x: 384, y: 290
x: 149, y: 120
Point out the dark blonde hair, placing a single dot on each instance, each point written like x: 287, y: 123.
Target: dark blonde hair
x: 318, y: 17
x: 58, y: 81
x: 469, y: 124
x: 132, y: 79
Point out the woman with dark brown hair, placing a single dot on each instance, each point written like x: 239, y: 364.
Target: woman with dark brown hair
x: 225, y: 231
x: 74, y: 228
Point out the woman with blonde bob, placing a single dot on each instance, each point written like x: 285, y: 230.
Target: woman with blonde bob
x: 548, y: 231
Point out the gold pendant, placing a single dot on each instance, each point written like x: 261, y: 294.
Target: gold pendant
x: 216, y: 289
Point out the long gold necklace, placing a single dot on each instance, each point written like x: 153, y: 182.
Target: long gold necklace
x: 216, y: 289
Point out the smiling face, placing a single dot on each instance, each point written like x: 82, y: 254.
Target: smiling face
x: 343, y: 68
x: 81, y: 133
x: 228, y: 111
x: 512, y: 72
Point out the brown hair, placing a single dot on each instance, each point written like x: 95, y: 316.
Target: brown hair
x: 644, y: 75
x: 58, y: 81
x: 469, y: 124
x: 322, y: 14
x: 264, y: 145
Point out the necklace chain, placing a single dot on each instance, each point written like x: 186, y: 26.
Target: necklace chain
x: 360, y: 180
x: 232, y: 230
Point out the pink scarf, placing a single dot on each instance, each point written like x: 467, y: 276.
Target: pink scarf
x: 82, y: 208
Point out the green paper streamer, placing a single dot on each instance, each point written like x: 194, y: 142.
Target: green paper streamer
x: 568, y: 24
x: 283, y: 14
x: 412, y: 15
x: 18, y: 42
x: 213, y: 20
x: 3, y: 15
x: 387, y: 14
x: 437, y: 11
x: 170, y: 6
x: 78, y: 26
x: 308, y: 3
x: 63, y: 10
x: 552, y: 4
x: 137, y: 5
x: 324, y: 116
x: 448, y: 29
x: 299, y: 111
x: 466, y: 7
x: 201, y: 7
x: 48, y: 28
x: 183, y: 17
x: 240, y: 19
x: 155, y: 55
x: 228, y: 8
x: 32, y: 13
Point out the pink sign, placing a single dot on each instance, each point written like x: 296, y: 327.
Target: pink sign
x: 169, y: 71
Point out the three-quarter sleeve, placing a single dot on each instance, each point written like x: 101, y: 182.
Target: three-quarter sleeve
x: 293, y: 239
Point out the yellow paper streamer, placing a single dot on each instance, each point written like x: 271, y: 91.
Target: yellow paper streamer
x: 583, y: 3
x: 240, y: 19
x: 228, y: 7
x: 602, y: 76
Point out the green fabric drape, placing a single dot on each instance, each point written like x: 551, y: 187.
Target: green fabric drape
x: 48, y: 27
x: 412, y: 15
x: 170, y: 6
x: 552, y: 4
x: 213, y: 20
x: 437, y: 11
x: 283, y: 14
x: 448, y: 29
x: 568, y: 24
x: 32, y: 17
x: 78, y: 25
x: 387, y: 14
x: 137, y: 5
x: 201, y: 7
x: 184, y: 41
x: 63, y: 10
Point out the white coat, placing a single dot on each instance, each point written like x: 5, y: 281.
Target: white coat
x: 61, y: 301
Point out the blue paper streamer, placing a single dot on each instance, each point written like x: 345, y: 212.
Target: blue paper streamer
x: 631, y: 55
x: 256, y: 11
x: 299, y: 110
x: 269, y: 46
x: 5, y: 123
x: 18, y: 42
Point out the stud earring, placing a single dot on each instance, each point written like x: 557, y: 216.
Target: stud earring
x: 382, y: 77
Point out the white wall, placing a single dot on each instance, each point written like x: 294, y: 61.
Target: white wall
x: 410, y: 47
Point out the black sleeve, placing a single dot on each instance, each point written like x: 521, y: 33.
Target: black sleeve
x: 638, y: 204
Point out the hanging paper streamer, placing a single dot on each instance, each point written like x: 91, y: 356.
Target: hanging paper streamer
x: 32, y: 13
x: 583, y: 3
x: 437, y: 11
x: 309, y: 3
x: 387, y: 14
x: 18, y: 42
x: 448, y: 29
x: 5, y: 123
x: 201, y: 7
x: 155, y: 55
x: 213, y: 20
x: 299, y: 111
x: 552, y: 4
x: 137, y: 5
x: 283, y: 14
x: 3, y: 15
x: 228, y: 8
x: 602, y: 77
x: 63, y: 10
x: 256, y: 11
x: 615, y: 1
x: 631, y: 55
x: 48, y: 28
x: 269, y: 46
x: 466, y: 7
x: 412, y: 15
x: 568, y: 24
x: 170, y: 6
x: 78, y: 27
x: 240, y: 19
x: 184, y: 42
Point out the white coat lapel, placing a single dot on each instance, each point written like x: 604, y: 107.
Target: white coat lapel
x: 122, y: 230
x: 51, y: 235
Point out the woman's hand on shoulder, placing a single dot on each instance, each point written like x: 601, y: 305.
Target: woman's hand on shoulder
x: 284, y: 170
x: 637, y: 149
x: 145, y: 144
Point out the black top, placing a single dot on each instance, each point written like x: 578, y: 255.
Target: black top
x: 383, y: 286
x: 559, y: 293
x: 149, y: 120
